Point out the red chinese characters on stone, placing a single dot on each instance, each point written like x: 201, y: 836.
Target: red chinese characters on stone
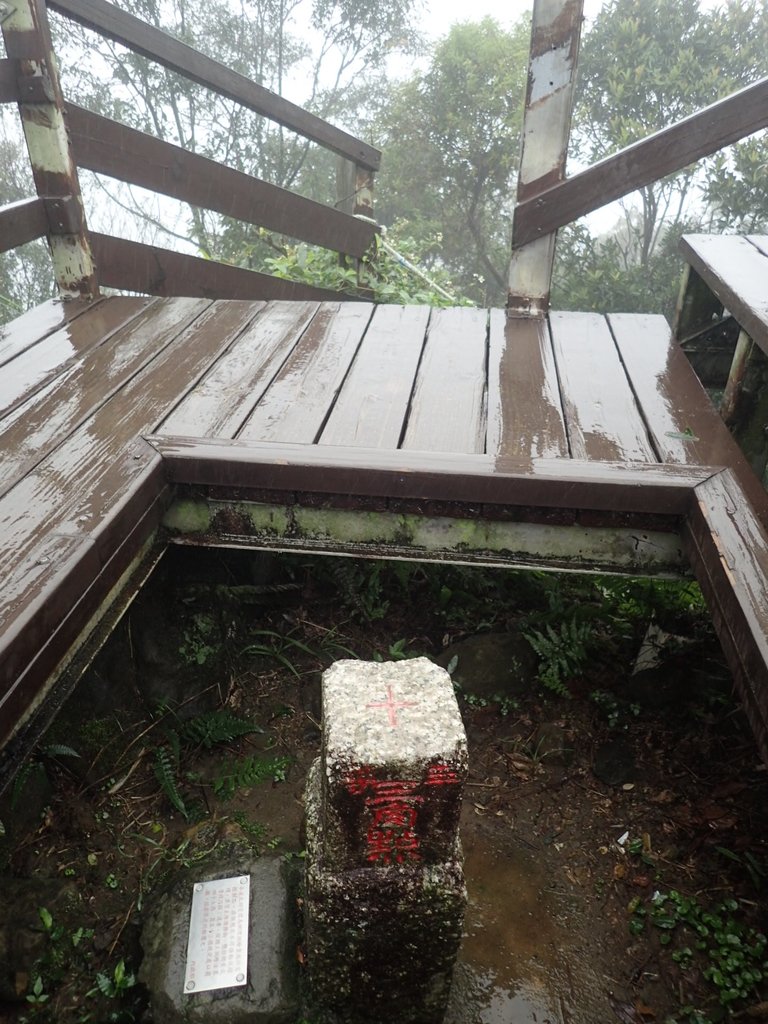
x: 391, y: 837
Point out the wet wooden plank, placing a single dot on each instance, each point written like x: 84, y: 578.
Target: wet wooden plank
x: 296, y: 404
x: 108, y: 147
x: 36, y: 427
x: 37, y: 323
x: 172, y: 53
x: 525, y: 415
x: 684, y: 425
x: 72, y: 573
x: 601, y: 414
x: 430, y: 476
x: 32, y: 369
x: 447, y: 411
x: 728, y: 549
x: 737, y: 272
x: 220, y: 404
x: 372, y: 406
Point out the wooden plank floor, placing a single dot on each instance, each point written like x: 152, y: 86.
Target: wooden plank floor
x: 601, y: 412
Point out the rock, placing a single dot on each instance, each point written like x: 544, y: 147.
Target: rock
x: 550, y: 744
x: 614, y: 763
x: 492, y: 664
x: 271, y: 995
x: 23, y: 939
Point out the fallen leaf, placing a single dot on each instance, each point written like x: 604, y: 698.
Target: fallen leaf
x: 619, y: 871
x: 625, y: 1012
x: 665, y: 796
x: 757, y: 1012
x: 644, y: 1010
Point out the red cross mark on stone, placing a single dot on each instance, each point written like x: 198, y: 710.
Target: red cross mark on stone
x: 392, y: 705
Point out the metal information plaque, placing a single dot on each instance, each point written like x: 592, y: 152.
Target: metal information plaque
x: 217, y: 950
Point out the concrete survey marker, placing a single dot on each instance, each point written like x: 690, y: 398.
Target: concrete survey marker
x: 385, y: 893
x: 394, y: 763
x: 217, y: 948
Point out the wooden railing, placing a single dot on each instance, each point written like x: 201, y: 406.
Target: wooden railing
x: 28, y: 77
x: 547, y: 200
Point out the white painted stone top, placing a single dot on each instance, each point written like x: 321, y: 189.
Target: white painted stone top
x: 401, y: 712
x: 394, y: 761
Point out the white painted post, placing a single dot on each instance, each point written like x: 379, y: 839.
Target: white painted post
x: 28, y: 42
x: 555, y: 35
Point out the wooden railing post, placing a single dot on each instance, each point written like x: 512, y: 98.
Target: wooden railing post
x: 28, y: 43
x: 354, y: 194
x: 555, y: 35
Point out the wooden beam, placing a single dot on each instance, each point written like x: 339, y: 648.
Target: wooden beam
x: 108, y: 147
x: 555, y: 35
x: 663, y: 153
x: 22, y: 222
x: 136, y: 267
x: 110, y: 21
x: 438, y: 476
x: 28, y: 44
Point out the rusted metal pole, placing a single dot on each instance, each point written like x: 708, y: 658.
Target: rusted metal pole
x: 28, y: 43
x: 555, y: 35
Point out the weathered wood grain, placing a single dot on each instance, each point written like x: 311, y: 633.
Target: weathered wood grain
x: 525, y: 414
x: 601, y: 414
x: 728, y: 549
x: 22, y: 222
x: 372, y: 406
x: 448, y: 406
x: 37, y: 323
x: 737, y: 272
x: 137, y: 267
x: 41, y: 363
x: 87, y: 384
x: 296, y: 404
x: 220, y: 404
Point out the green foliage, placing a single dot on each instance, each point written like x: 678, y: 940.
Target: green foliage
x: 635, y: 79
x: 562, y: 652
x: 451, y: 137
x: 736, y: 187
x: 212, y: 727
x: 248, y: 771
x: 116, y: 984
x: 201, y: 639
x: 730, y: 955
x: 166, y: 768
x: 382, y: 277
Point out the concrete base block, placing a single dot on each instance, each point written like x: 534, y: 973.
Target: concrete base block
x: 381, y: 941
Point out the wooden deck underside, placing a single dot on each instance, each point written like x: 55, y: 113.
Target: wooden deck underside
x: 132, y: 409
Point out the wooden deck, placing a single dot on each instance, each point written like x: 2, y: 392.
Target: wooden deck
x: 581, y: 442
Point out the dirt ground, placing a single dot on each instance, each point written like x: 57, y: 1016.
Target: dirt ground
x: 614, y: 823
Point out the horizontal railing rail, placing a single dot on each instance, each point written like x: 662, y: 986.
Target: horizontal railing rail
x: 649, y: 160
x: 108, y: 20
x: 22, y: 222
x: 109, y: 147
x: 138, y: 267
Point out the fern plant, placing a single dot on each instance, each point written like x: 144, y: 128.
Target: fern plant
x: 214, y: 727
x: 166, y: 769
x: 247, y: 771
x: 562, y: 653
